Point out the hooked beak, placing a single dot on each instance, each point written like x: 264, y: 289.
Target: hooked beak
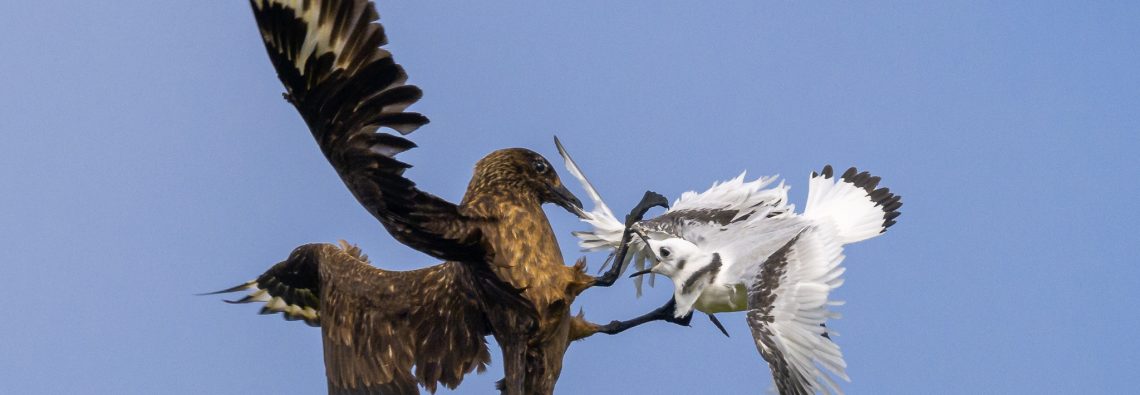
x: 567, y: 200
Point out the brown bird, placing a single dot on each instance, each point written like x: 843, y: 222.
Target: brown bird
x: 505, y: 274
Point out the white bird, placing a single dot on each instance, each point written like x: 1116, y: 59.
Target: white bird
x: 740, y: 247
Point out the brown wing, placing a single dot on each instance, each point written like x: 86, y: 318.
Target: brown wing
x: 328, y: 55
x: 378, y: 324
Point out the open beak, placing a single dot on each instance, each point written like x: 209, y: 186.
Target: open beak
x: 567, y: 200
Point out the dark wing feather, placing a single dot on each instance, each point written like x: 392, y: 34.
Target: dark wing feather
x: 378, y: 324
x: 328, y: 55
x: 787, y: 307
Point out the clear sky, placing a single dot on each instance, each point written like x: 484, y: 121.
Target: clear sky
x: 148, y: 156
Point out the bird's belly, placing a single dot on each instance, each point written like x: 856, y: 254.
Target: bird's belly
x: 722, y: 299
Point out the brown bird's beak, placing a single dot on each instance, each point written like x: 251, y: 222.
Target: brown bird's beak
x: 567, y: 200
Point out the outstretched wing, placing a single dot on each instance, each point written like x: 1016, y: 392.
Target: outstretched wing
x: 606, y: 232
x: 378, y: 324
x: 787, y: 308
x: 328, y: 55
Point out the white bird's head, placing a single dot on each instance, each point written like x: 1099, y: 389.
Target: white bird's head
x: 690, y: 268
x: 672, y: 256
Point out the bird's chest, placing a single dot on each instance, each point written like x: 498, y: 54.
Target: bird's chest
x: 723, y: 298
x: 527, y: 256
x: 525, y: 242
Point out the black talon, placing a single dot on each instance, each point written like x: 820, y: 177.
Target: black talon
x: 649, y: 200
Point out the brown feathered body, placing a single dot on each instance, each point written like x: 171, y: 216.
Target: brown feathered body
x: 524, y: 255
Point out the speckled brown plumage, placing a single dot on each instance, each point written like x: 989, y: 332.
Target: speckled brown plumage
x: 497, y: 240
x: 377, y: 324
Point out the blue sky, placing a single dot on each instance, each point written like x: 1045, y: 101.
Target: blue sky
x: 148, y: 156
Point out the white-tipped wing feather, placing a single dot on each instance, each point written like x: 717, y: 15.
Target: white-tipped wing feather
x: 787, y: 308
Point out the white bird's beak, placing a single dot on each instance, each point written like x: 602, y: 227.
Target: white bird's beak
x: 644, y: 272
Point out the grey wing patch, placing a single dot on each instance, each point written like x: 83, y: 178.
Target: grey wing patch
x: 672, y: 223
x: 761, y: 298
x: 675, y: 223
x: 788, y: 305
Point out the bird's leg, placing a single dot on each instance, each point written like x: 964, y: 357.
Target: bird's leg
x: 648, y: 201
x: 514, y: 367
x: 663, y: 313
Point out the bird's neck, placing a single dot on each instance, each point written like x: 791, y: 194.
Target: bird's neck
x: 698, y: 270
x: 492, y: 198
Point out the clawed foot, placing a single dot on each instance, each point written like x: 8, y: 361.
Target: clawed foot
x: 649, y: 200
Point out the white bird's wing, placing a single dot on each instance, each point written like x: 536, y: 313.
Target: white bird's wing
x: 720, y: 210
x: 788, y: 306
x: 607, y: 230
x: 747, y: 244
x: 734, y: 195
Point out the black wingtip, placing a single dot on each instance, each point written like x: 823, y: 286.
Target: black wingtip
x: 720, y: 326
x: 235, y: 288
x: 889, y: 202
x: 246, y: 299
x: 827, y: 172
x: 561, y: 149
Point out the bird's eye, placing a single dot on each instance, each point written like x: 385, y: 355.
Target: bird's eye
x: 664, y: 252
x: 541, y: 167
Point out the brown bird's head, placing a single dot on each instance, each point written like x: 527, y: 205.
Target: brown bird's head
x: 523, y: 173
